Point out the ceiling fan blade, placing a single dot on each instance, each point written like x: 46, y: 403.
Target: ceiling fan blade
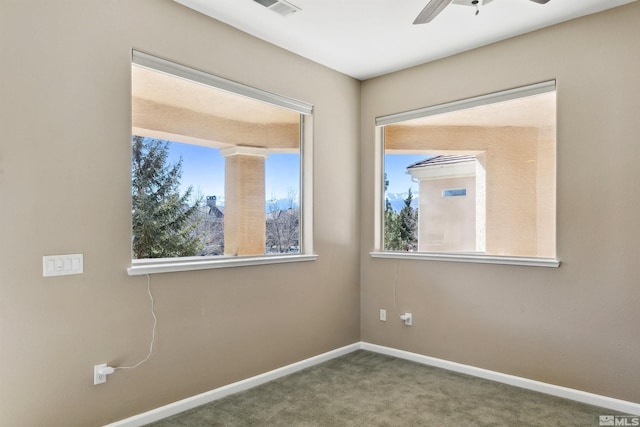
x: 431, y: 10
x: 540, y: 1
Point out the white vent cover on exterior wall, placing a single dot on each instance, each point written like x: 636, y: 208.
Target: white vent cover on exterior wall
x: 281, y: 7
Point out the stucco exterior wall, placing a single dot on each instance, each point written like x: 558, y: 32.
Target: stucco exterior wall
x: 514, y: 172
x: 447, y: 224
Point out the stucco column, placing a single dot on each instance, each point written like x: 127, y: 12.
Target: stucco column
x: 244, y: 205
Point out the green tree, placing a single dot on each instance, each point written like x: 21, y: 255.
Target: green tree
x: 163, y: 220
x: 400, y: 228
x: 408, y: 225
x: 391, y: 221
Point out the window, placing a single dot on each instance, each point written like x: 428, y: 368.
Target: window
x: 472, y: 179
x: 221, y: 172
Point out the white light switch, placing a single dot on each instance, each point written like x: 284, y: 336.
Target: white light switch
x: 61, y: 265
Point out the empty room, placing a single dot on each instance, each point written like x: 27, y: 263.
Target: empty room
x: 204, y: 200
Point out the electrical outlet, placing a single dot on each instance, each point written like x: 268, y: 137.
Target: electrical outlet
x: 383, y: 315
x: 99, y: 378
x: 408, y: 319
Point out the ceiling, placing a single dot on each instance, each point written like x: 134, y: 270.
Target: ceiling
x: 368, y: 38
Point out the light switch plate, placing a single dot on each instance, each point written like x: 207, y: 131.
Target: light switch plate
x: 62, y: 265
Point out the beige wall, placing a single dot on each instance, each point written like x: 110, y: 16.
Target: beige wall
x: 65, y: 184
x: 576, y: 325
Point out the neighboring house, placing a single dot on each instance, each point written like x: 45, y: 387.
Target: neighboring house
x: 449, y: 204
x: 282, y: 229
x: 214, y: 210
x: 211, y: 227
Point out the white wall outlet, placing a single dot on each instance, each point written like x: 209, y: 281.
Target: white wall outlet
x: 62, y: 265
x: 383, y: 315
x: 99, y: 377
x: 408, y: 319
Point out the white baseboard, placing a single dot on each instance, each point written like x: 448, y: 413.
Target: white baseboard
x: 218, y: 393
x: 553, y: 390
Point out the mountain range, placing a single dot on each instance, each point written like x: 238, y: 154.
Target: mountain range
x: 397, y: 200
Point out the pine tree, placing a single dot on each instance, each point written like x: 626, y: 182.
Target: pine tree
x: 400, y: 228
x: 163, y: 220
x: 408, y: 225
x: 391, y: 221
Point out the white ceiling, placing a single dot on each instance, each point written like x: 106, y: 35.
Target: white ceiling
x: 368, y: 38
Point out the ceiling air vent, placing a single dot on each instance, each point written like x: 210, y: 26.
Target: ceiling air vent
x: 281, y: 7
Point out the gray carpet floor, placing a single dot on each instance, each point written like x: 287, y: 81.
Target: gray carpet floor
x: 370, y: 389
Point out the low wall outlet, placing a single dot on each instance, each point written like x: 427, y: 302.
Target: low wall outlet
x: 383, y: 315
x: 408, y: 319
x: 98, y: 377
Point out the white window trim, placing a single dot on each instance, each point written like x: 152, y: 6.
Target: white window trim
x: 162, y: 65
x: 476, y: 101
x: 167, y: 265
x: 380, y: 122
x: 473, y: 258
x: 170, y: 265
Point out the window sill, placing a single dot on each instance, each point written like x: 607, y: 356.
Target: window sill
x: 166, y: 265
x: 481, y: 259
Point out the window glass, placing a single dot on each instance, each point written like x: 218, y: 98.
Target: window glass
x: 473, y: 177
x: 215, y: 171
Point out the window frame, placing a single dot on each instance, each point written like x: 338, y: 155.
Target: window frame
x: 165, y: 265
x: 382, y: 121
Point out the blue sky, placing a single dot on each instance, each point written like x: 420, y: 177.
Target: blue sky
x: 203, y: 169
x: 395, y: 166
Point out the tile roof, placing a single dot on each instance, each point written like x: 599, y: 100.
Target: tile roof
x: 442, y: 160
